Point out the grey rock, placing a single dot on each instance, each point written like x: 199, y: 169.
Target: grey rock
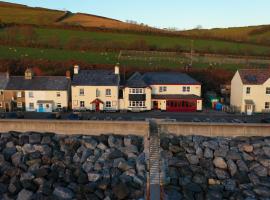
x: 102, y: 146
x: 25, y: 195
x: 34, y: 138
x: 90, y: 144
x: 264, y: 162
x: 247, y: 157
x: 221, y: 174
x: 220, y: 153
x: 211, y: 144
x: 266, y: 151
x: 16, y: 159
x: 93, y: 177
x: 232, y: 167
x: 208, y: 153
x: 242, y: 166
x: 260, y: 170
x: 233, y: 155
x: 262, y: 191
x: 87, y: 166
x: 115, y: 154
x: 193, y: 159
x: 124, y: 166
x: 114, y: 142
x: 63, y: 193
x: 253, y: 179
x: 229, y: 185
x: 174, y: 149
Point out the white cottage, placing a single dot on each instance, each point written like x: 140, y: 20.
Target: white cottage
x: 44, y: 93
x: 95, y: 90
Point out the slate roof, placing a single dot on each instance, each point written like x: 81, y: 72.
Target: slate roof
x: 136, y: 81
x: 96, y: 78
x: 163, y: 78
x: 3, y: 80
x: 175, y: 96
x: 38, y: 83
x: 254, y: 76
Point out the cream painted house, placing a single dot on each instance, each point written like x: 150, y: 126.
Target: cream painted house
x: 176, y: 92
x: 39, y: 93
x: 136, y: 94
x: 250, y: 91
x: 95, y: 90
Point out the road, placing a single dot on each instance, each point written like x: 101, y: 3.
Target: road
x: 206, y: 116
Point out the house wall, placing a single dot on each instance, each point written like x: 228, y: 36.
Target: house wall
x: 46, y: 96
x: 125, y: 102
x: 177, y: 89
x: 90, y: 95
x: 258, y: 95
x: 236, y: 99
x: 11, y: 99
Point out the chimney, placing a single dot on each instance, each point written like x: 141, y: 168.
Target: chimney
x: 117, y: 69
x: 76, y: 69
x: 68, y: 74
x: 28, y: 75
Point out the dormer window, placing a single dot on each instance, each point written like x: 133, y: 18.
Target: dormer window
x: 248, y: 90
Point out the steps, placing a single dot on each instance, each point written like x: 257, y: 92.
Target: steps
x: 154, y: 162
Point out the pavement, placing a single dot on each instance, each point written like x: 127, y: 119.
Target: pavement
x: 205, y: 116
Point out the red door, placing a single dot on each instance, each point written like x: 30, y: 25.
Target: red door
x: 181, y: 105
x: 97, y: 107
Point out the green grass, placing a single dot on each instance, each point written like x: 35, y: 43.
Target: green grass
x: 161, y: 42
x: 112, y: 58
x: 57, y: 55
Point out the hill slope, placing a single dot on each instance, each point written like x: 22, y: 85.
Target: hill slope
x: 22, y: 14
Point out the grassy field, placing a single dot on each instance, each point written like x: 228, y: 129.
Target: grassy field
x: 254, y: 34
x: 160, y: 42
x: 111, y: 58
x: 57, y: 55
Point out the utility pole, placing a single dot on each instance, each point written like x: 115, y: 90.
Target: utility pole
x: 191, y: 53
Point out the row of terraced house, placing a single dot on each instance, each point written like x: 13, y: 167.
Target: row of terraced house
x: 100, y: 90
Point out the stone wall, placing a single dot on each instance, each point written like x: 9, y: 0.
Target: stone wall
x: 49, y: 166
x: 216, y: 168
x: 76, y: 127
x: 215, y: 129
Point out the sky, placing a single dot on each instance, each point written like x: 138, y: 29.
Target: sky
x: 182, y: 14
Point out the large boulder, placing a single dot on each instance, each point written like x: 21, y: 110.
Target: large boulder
x: 219, y: 162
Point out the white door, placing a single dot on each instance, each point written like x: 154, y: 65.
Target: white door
x: 249, y: 109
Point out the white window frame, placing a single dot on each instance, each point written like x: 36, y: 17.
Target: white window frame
x: 82, y: 104
x: 31, y: 106
x: 31, y: 95
x: 108, y: 92
x: 136, y: 91
x: 59, y: 105
x: 19, y: 104
x: 137, y: 104
x: 81, y: 92
x: 108, y: 104
x: 267, y: 105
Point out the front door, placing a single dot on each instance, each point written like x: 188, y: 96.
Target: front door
x: 155, y: 105
x: 97, y: 107
x: 40, y: 108
x: 249, y: 109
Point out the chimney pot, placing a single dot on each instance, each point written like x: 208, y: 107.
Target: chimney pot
x: 76, y: 69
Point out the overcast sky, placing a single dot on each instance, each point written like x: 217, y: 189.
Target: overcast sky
x: 183, y: 14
